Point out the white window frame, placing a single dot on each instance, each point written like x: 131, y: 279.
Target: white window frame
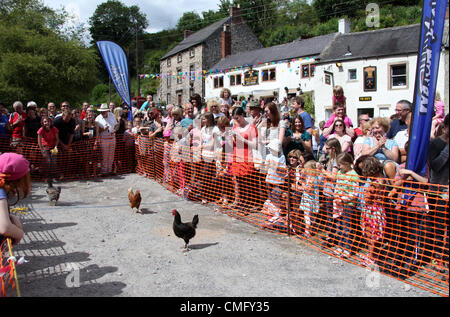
x: 390, y: 79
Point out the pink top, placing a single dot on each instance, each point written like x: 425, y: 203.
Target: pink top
x: 347, y: 121
x: 439, y: 109
x: 48, y: 136
x: 340, y: 99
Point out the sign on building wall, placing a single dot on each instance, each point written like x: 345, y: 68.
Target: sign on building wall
x: 251, y: 77
x: 370, y: 78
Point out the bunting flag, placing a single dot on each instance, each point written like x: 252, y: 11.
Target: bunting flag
x: 204, y: 74
x: 433, y: 20
x: 117, y: 65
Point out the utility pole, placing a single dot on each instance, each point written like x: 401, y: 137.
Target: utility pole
x: 137, y: 64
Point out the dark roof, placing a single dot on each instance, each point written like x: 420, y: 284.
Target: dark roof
x: 197, y: 37
x: 298, y: 48
x: 399, y: 40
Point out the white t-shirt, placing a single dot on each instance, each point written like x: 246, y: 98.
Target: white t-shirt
x: 358, y: 146
x: 401, y: 138
x: 342, y: 140
x: 208, y: 143
x: 275, y: 176
x: 111, y: 121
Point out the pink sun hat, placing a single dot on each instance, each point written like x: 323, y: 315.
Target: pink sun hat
x: 13, y: 166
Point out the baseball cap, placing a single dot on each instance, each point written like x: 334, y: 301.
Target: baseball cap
x: 13, y: 166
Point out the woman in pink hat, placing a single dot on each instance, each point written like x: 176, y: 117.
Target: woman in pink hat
x: 14, y: 181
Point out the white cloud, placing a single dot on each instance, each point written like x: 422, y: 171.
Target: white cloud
x: 162, y: 14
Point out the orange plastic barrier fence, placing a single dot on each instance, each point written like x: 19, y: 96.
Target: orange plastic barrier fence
x: 397, y: 229
x: 84, y: 159
x: 8, y: 275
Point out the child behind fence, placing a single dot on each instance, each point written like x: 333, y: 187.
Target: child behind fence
x: 344, y: 203
x: 332, y: 148
x: 310, y: 199
x: 373, y: 216
x: 275, y: 164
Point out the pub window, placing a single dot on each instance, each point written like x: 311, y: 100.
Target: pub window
x: 305, y: 71
x: 180, y: 58
x: 312, y: 69
x: 269, y: 75
x: 327, y: 79
x: 235, y: 80
x: 191, y: 52
x: 352, y: 74
x: 239, y: 79
x: 192, y: 72
x: 398, y: 76
x: 218, y: 82
x: 179, y: 76
x: 308, y: 70
x: 168, y: 62
x: 169, y: 80
x: 168, y: 99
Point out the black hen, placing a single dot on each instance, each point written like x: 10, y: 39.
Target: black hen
x: 185, y: 231
x: 52, y: 192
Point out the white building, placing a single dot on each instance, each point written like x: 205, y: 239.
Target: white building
x: 375, y: 68
x: 267, y: 73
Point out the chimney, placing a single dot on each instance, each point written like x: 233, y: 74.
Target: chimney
x: 344, y: 26
x: 236, y: 14
x: 187, y: 33
x: 226, y: 41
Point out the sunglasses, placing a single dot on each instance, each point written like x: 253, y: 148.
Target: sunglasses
x: 338, y: 125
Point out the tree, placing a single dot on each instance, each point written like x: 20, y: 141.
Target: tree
x: 258, y: 14
x: 190, y: 21
x: 113, y: 21
x: 40, y: 63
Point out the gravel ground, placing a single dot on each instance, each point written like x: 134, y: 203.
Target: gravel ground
x: 91, y: 245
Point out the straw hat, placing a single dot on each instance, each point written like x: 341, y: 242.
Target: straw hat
x: 104, y: 107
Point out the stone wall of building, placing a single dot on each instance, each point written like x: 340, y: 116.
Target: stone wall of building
x: 184, y: 87
x: 205, y: 56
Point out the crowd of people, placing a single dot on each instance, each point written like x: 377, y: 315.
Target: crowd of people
x: 255, y: 156
x: 342, y: 179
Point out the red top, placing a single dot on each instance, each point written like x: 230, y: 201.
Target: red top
x: 48, y: 136
x: 243, y: 159
x: 17, y: 131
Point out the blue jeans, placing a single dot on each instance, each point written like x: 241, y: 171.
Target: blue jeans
x: 345, y: 234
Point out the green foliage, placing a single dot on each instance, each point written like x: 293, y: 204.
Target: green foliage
x: 308, y: 97
x: 113, y: 21
x: 99, y: 94
x: 39, y: 63
x: 258, y: 14
x: 190, y: 21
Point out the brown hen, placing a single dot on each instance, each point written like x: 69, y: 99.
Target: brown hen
x: 135, y: 200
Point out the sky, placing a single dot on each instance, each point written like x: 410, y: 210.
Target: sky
x: 161, y: 14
